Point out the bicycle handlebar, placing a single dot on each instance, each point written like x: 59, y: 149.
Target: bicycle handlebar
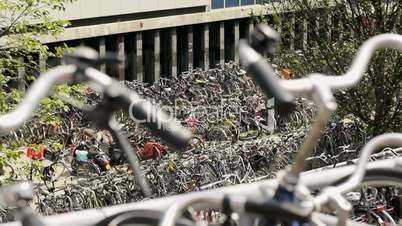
x: 317, y: 87
x: 362, y: 59
x: 39, y: 89
x: 156, y: 120
x: 287, y: 90
x: 143, y: 112
x: 160, y: 123
x: 264, y: 76
x: 264, y: 40
x: 356, y: 71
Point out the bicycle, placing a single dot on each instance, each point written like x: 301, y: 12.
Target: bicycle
x: 7, y: 173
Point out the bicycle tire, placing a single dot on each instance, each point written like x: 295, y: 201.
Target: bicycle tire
x: 3, y: 216
x: 86, y: 169
x: 45, y: 209
x: 9, y: 171
x: 217, y: 134
x: 139, y: 217
x: 77, y: 200
x: 59, y: 170
x: 244, y: 136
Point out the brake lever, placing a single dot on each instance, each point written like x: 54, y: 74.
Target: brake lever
x: 110, y: 58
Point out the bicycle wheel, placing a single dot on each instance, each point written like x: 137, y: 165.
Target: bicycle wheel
x: 140, y: 217
x: 8, y: 171
x: 197, y: 142
x: 3, y: 216
x: 250, y: 133
x: 218, y: 134
x: 60, y: 170
x: 45, y: 209
x: 91, y: 199
x: 86, y: 169
x: 77, y: 201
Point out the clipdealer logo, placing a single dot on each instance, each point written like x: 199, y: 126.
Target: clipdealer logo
x: 145, y: 111
x: 142, y: 111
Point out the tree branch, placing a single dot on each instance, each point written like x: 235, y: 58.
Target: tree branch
x: 14, y: 22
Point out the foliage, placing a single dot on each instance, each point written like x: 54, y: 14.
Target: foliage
x: 336, y: 29
x: 22, y: 22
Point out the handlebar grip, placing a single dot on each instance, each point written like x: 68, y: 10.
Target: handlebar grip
x: 264, y: 39
x: 264, y: 75
x: 159, y: 122
x: 88, y: 56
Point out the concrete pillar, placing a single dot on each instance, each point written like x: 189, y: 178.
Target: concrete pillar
x: 251, y: 24
x: 205, y: 47
x: 190, y: 47
x: 222, y: 42
x: 236, y: 39
x: 292, y: 31
x: 102, y: 52
x: 271, y: 115
x: 173, y: 34
x: 157, y: 52
x: 42, y: 63
x: 121, y: 55
x: 305, y: 33
x: 329, y: 28
x: 139, y: 63
x: 249, y: 28
x: 280, y: 24
x: 21, y: 75
x: 340, y: 28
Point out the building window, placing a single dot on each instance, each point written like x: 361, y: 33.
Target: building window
x: 247, y: 2
x: 217, y: 4
x: 232, y: 3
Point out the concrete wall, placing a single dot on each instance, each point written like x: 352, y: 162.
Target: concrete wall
x: 83, y: 32
x: 84, y: 9
x: 167, y: 45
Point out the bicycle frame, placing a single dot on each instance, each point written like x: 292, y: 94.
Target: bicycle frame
x: 170, y: 130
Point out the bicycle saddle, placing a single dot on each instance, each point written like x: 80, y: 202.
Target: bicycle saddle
x: 89, y: 56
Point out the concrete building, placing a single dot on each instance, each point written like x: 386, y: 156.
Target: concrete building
x: 159, y: 38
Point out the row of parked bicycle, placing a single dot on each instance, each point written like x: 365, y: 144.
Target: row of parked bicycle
x: 119, y: 186
x: 89, y: 153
